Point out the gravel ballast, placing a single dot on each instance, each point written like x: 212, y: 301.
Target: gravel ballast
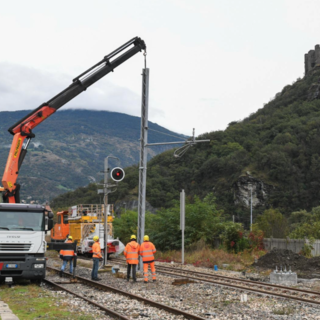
x: 206, y: 300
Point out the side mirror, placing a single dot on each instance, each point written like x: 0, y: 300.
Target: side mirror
x: 50, y: 215
x: 50, y: 224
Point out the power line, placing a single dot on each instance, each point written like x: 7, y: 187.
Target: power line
x: 167, y: 134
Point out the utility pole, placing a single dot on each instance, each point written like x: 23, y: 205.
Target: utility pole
x: 106, y: 190
x: 105, y: 202
x: 251, y: 211
x: 182, y: 222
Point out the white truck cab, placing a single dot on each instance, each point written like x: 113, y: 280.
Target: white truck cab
x: 22, y: 241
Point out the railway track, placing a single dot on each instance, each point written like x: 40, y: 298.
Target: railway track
x: 103, y: 308
x: 306, y: 296
x: 104, y: 287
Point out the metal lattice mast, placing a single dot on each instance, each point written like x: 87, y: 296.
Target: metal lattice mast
x: 143, y: 157
x: 106, y: 190
x: 105, y: 202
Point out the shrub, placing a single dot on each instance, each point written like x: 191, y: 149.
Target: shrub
x: 306, y: 250
x: 231, y: 237
x: 256, y: 239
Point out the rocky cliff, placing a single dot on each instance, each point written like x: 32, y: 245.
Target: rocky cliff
x: 248, y: 186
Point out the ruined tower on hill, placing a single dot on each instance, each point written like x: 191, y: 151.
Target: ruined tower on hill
x: 311, y: 59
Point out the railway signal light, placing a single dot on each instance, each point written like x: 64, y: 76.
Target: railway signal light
x: 117, y: 174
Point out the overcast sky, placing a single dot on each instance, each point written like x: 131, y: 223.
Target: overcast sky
x: 211, y: 62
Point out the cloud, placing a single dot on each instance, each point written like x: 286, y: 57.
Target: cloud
x: 210, y: 64
x: 22, y: 88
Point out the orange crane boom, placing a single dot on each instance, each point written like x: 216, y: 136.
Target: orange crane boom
x: 23, y: 129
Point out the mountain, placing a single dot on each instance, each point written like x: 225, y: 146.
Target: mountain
x: 271, y: 157
x: 70, y: 147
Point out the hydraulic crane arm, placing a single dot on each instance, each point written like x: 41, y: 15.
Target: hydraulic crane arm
x: 23, y: 129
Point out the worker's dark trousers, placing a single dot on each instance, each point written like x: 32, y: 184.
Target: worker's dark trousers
x: 134, y: 270
x: 95, y: 267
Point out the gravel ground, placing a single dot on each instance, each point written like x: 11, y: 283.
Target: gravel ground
x: 206, y: 300
x: 77, y: 304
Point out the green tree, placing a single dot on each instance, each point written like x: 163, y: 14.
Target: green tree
x: 233, y: 237
x: 308, y: 225
x: 203, y: 221
x: 273, y: 224
x: 126, y: 225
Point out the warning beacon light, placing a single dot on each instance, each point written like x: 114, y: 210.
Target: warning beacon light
x: 117, y: 174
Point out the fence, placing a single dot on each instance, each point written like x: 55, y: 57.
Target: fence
x: 294, y: 245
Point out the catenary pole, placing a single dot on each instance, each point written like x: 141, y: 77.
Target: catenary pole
x: 182, y: 222
x: 106, y: 190
x: 251, y: 211
x: 105, y: 202
x: 143, y: 154
x: 143, y: 158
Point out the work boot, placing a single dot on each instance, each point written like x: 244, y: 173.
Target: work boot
x: 96, y: 279
x: 60, y: 273
x: 134, y: 280
x: 145, y: 281
x: 128, y: 279
x: 154, y: 280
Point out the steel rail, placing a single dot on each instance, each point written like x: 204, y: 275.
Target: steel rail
x: 243, y: 280
x: 313, y: 294
x: 106, y: 310
x: 133, y: 296
x: 270, y: 293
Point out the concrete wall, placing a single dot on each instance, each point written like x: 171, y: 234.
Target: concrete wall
x: 294, y: 245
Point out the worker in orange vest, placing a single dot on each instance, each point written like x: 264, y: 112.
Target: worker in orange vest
x: 96, y: 256
x: 131, y: 252
x: 67, y: 255
x: 147, y: 249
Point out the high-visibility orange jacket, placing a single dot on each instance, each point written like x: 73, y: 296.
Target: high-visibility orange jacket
x: 96, y: 250
x: 131, y: 252
x: 67, y: 254
x: 147, y: 249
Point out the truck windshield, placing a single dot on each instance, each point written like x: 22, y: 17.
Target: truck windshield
x: 24, y: 221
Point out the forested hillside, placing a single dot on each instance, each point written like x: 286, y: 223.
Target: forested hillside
x: 70, y: 147
x: 278, y: 146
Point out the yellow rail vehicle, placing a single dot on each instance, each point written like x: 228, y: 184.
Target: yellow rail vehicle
x: 83, y: 222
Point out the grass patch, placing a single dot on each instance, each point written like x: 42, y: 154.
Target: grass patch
x: 284, y: 311
x: 207, y: 257
x: 29, y: 302
x: 85, y: 263
x: 223, y: 303
x: 52, y: 254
